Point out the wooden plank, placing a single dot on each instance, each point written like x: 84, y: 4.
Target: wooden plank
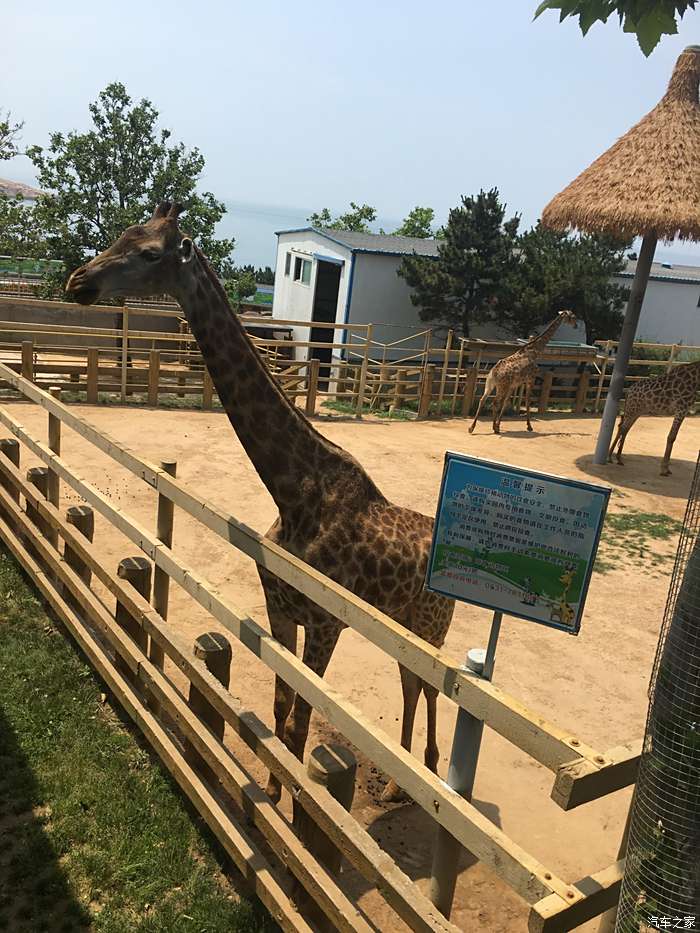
x: 153, y: 376
x: 312, y: 387
x: 28, y: 359
x: 265, y: 881
x: 600, y: 891
x: 581, y: 393
x: 548, y: 744
x: 92, y: 374
x: 581, y: 781
x: 488, y: 843
x: 426, y: 392
x: 545, y: 392
x: 356, y: 844
x: 207, y: 391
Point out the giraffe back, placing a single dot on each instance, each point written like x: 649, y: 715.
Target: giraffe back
x: 671, y: 393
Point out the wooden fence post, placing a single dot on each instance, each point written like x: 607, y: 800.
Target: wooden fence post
x: 333, y: 767
x: 125, y: 350
x: 545, y: 391
x: 137, y: 571
x: 81, y: 517
x: 426, y: 392
x: 153, y: 376
x: 458, y: 375
x: 363, y: 374
x: 28, y: 360
x: 161, y: 581
x: 38, y: 477
x: 9, y: 447
x: 312, y: 386
x: 54, y: 483
x: 215, y: 650
x: 582, y: 393
x: 207, y: 390
x: 93, y: 366
x: 601, y: 377
x: 445, y: 369
x: 399, y: 387
x: 469, y: 390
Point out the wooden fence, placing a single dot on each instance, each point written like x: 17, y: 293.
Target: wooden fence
x: 138, y: 652
x: 364, y: 375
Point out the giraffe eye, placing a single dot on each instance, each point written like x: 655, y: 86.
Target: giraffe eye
x: 150, y: 255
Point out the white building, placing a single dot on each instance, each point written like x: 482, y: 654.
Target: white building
x: 350, y: 278
x: 671, y: 308
x: 341, y: 277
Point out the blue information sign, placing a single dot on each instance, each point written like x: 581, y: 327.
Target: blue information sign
x: 516, y: 541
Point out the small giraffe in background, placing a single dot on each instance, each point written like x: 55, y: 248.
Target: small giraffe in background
x: 520, y: 368
x: 673, y: 393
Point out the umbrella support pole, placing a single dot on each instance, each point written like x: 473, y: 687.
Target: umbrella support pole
x: 624, y: 348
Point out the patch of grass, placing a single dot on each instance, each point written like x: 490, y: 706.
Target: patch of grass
x: 631, y: 537
x: 345, y: 408
x: 95, y: 835
x: 189, y: 402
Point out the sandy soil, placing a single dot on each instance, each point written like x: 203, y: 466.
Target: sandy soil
x: 593, y: 685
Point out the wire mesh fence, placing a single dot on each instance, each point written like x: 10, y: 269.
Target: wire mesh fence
x: 661, y: 887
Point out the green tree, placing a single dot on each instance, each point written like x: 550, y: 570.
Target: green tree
x: 471, y: 276
x: 239, y: 284
x: 99, y: 182
x: 262, y: 276
x: 358, y: 218
x: 20, y: 234
x: 557, y: 271
x: 9, y: 136
x: 418, y: 223
x: 647, y: 19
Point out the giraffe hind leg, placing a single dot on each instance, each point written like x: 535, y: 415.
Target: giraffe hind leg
x: 677, y: 422
x: 411, y: 688
x: 616, y: 438
x: 624, y: 431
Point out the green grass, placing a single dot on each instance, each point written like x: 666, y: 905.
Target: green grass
x: 629, y: 537
x: 345, y: 408
x: 93, y: 834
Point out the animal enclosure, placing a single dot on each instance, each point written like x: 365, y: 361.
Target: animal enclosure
x: 581, y: 773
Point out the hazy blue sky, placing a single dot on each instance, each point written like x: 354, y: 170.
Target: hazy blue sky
x: 305, y: 104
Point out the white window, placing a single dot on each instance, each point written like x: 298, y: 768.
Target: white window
x: 302, y: 270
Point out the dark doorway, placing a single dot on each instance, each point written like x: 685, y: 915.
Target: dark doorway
x: 325, y: 310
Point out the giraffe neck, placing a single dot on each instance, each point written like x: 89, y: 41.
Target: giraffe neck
x: 540, y: 342
x: 286, y: 451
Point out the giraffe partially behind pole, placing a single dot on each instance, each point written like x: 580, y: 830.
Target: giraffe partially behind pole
x: 331, y: 514
x: 673, y: 393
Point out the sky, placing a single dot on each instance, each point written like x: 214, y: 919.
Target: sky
x: 302, y: 105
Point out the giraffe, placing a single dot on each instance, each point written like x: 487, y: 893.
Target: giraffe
x: 331, y: 514
x: 520, y: 368
x: 672, y: 393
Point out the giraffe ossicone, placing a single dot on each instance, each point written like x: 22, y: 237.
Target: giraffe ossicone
x: 331, y: 514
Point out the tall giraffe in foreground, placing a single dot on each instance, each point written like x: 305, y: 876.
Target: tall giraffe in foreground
x: 331, y: 514
x: 672, y: 393
x: 520, y: 368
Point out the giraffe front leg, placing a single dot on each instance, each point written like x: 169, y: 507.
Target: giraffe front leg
x: 672, y: 434
x: 528, y: 390
x: 499, y: 406
x: 285, y: 631
x: 411, y: 687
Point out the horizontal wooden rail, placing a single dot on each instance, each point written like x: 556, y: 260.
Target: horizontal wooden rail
x: 379, y: 869
x: 519, y: 869
x: 580, y: 781
x: 601, y: 892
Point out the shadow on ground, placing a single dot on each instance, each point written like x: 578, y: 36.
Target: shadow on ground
x: 642, y: 472
x: 34, y: 893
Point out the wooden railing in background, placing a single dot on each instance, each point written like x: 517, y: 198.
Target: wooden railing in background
x: 408, y: 375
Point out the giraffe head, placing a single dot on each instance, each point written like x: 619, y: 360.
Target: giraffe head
x: 147, y: 259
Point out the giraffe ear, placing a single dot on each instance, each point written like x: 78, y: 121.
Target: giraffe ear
x: 186, y: 249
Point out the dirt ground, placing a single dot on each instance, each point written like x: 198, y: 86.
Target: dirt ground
x: 593, y: 685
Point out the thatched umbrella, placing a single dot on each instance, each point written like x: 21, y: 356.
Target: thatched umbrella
x: 647, y: 184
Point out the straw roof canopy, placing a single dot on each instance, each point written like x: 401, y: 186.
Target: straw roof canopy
x: 649, y: 181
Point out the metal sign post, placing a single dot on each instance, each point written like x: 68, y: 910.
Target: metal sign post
x: 464, y: 757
